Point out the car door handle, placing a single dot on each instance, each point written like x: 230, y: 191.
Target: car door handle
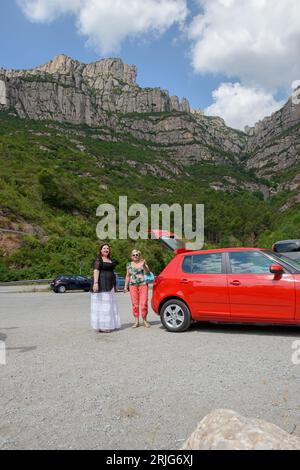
x: 184, y: 281
x: 235, y: 283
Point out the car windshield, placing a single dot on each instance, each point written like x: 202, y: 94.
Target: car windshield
x: 284, y: 259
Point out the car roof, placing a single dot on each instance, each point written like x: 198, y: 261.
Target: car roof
x: 219, y: 250
x: 287, y: 241
x: 71, y: 275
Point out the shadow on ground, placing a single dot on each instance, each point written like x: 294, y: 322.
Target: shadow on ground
x: 245, y: 329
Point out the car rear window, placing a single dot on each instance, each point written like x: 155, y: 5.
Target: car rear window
x: 203, y: 264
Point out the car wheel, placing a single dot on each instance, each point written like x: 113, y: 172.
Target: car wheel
x: 62, y: 289
x: 175, y: 316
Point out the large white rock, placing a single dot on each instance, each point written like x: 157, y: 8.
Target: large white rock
x: 227, y: 430
x: 3, y: 93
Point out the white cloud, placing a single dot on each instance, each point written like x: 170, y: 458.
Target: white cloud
x: 240, y: 106
x: 107, y: 23
x: 45, y: 11
x: 257, y: 41
x: 253, y: 42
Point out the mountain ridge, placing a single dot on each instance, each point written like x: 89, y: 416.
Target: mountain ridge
x: 105, y: 94
x: 75, y: 135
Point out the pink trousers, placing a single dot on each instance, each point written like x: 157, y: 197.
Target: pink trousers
x: 139, y: 296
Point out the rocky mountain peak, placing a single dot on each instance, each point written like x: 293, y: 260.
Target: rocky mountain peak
x: 61, y: 64
x: 273, y: 143
x: 110, y: 68
x: 105, y: 95
x: 69, y: 90
x: 285, y: 118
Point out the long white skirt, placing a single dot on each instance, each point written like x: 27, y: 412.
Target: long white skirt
x: 104, y: 311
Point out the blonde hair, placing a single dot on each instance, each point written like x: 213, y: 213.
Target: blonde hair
x: 136, y: 252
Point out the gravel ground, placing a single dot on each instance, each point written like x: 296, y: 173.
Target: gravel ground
x: 66, y: 387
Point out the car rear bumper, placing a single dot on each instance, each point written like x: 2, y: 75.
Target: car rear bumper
x: 155, y: 304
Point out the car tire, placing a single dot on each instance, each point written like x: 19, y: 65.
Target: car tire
x: 175, y: 316
x: 62, y: 289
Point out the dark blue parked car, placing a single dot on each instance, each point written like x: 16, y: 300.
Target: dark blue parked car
x: 120, y: 281
x: 63, y: 283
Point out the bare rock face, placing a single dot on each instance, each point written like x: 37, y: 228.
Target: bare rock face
x: 3, y: 100
x: 227, y: 430
x: 106, y: 96
x: 72, y: 91
x: 273, y: 126
x: 274, y: 143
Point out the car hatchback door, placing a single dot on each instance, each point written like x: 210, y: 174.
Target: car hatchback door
x: 255, y: 292
x: 204, y: 285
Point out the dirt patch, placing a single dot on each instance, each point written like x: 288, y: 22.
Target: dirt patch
x: 9, y: 243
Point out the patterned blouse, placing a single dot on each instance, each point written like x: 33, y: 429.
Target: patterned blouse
x: 137, y: 275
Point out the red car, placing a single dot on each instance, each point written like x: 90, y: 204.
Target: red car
x: 238, y: 285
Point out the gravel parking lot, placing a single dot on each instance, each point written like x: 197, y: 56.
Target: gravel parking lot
x: 65, y: 387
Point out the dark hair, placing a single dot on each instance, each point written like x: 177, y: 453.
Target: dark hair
x: 100, y: 249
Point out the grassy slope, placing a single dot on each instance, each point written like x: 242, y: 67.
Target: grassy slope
x: 54, y: 176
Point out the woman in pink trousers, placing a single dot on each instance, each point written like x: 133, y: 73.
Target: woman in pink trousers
x: 135, y: 281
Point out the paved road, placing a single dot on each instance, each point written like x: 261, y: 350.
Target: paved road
x: 66, y: 387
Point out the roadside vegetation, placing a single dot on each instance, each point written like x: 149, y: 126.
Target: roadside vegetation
x: 54, y: 176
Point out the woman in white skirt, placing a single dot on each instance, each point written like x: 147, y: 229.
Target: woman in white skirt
x: 104, y: 313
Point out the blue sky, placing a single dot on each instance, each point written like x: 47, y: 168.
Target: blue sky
x: 160, y: 62
x: 177, y: 57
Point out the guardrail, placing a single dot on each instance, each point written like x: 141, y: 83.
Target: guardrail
x: 6, y: 230
x: 25, y: 283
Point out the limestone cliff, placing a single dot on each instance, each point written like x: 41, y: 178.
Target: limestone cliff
x: 67, y: 89
x: 274, y: 143
x: 106, y: 96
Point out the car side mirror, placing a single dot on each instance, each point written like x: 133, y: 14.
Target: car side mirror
x: 276, y: 269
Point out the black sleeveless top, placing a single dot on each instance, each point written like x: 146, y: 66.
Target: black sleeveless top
x: 107, y: 278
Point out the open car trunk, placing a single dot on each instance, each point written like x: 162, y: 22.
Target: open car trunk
x: 169, y: 240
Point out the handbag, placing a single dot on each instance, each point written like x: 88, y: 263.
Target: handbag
x: 149, y: 278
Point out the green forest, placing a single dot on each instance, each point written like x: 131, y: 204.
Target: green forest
x: 53, y: 176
